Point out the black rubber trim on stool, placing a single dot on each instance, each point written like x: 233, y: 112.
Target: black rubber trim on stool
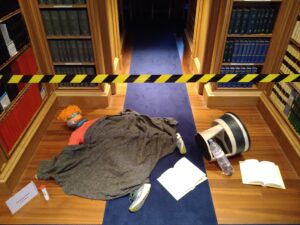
x: 236, y: 131
x: 243, y: 125
x: 203, y: 146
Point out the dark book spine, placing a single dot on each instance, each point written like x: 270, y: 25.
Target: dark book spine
x: 56, y: 24
x: 235, y: 50
x: 74, y: 51
x: 47, y: 22
x: 80, y: 50
x: 265, y: 21
x: 42, y: 2
x: 54, y: 51
x: 237, y: 24
x: 271, y: 20
x: 232, y: 21
x: 261, y: 20
x: 244, y: 22
x: 79, y: 2
x: 251, y: 22
x: 68, y: 2
x: 225, y: 57
x: 83, y: 22
x: 91, y: 55
x: 64, y: 22
x: 73, y: 22
x: 230, y: 50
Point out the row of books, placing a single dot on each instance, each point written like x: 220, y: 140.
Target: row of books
x: 17, y: 31
x: 287, y: 100
x: 24, y: 64
x: 76, y: 70
x: 8, y: 92
x: 71, y: 50
x: 240, y: 50
x: 291, y: 60
x: 18, y: 118
x: 66, y: 22
x: 62, y: 2
x: 238, y: 70
x: 252, y: 20
x: 8, y: 6
x: 13, y: 37
x: 296, y: 32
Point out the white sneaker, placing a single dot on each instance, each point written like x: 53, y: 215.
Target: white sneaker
x: 180, y: 144
x: 138, y: 197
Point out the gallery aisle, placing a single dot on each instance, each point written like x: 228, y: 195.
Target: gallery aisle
x: 156, y: 53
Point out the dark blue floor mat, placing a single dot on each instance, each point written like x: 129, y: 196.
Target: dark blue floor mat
x: 157, y: 55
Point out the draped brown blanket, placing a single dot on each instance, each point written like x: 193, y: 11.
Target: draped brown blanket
x: 118, y: 155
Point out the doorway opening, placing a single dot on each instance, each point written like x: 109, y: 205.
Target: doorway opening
x: 148, y: 25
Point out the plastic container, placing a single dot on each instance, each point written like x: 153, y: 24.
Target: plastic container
x: 221, y: 158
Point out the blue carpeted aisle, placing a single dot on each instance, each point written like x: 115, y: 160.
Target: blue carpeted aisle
x: 156, y: 55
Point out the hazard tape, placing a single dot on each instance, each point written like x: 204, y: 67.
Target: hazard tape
x: 149, y: 78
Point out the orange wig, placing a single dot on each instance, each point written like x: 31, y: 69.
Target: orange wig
x: 67, y: 112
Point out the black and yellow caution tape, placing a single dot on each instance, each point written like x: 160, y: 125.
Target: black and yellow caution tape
x: 149, y: 78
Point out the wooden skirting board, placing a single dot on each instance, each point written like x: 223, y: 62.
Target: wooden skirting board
x: 228, y: 98
x: 84, y: 98
x: 286, y: 138
x: 18, y: 161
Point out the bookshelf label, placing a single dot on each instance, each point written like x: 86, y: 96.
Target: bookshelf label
x: 73, y: 64
x: 63, y: 6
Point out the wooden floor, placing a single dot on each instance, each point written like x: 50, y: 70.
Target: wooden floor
x: 233, y: 201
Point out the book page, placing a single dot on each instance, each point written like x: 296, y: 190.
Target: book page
x: 271, y: 175
x: 182, y: 178
x: 190, y: 173
x: 251, y: 172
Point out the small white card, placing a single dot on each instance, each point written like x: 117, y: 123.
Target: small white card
x: 22, y: 197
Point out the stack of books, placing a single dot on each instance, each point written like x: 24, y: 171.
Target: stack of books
x: 291, y: 60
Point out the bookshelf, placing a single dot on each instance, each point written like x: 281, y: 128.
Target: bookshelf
x: 248, y: 38
x: 253, y: 43
x: 69, y: 39
x: 286, y: 97
x: 17, y: 58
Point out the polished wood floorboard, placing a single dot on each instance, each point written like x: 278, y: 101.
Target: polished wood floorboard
x: 233, y: 201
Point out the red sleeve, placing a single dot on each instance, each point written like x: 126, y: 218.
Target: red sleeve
x: 77, y: 136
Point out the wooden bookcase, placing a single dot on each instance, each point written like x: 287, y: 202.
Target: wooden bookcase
x: 285, y: 10
x: 101, y: 27
x: 6, y: 154
x: 284, y: 95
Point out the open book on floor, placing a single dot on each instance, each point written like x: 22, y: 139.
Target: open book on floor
x: 263, y: 173
x: 182, y: 178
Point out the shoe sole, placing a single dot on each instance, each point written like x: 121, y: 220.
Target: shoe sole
x: 139, y: 205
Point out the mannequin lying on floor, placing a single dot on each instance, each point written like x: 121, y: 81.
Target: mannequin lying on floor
x: 163, y: 130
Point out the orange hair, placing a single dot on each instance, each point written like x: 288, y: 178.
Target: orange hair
x: 67, y: 112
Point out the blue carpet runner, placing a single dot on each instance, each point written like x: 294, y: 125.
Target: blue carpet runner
x: 156, y: 55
